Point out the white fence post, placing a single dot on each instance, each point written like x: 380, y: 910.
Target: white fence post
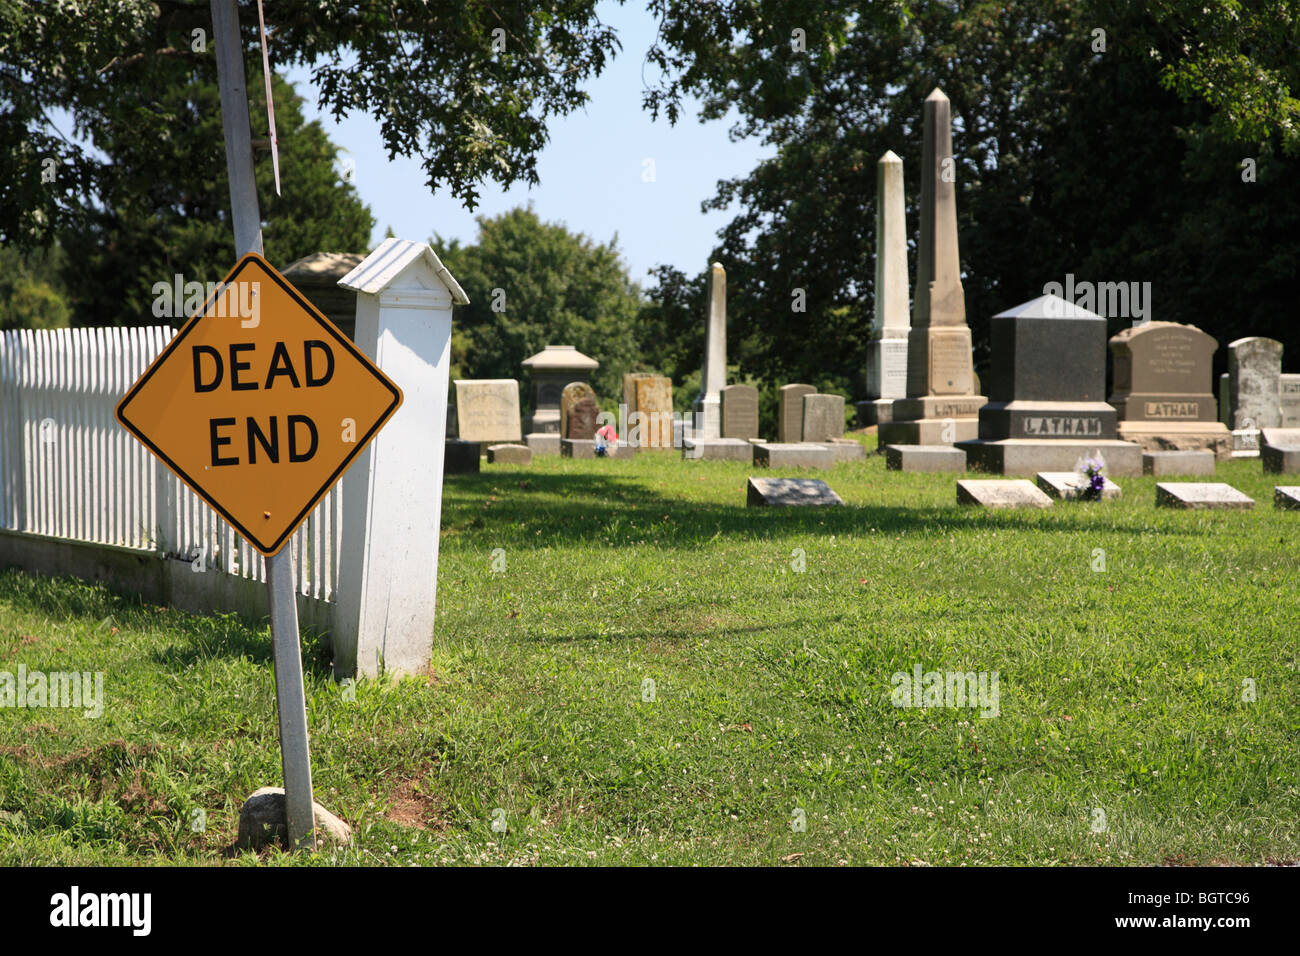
x: 392, y: 495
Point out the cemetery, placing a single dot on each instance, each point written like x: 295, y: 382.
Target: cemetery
x: 355, y: 592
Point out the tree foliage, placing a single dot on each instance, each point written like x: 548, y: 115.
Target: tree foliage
x: 533, y: 284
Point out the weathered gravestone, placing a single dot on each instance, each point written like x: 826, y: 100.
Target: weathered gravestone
x: 1254, y: 383
x: 1001, y: 493
x: 1047, y: 390
x: 1162, y: 392
x: 572, y: 394
x: 487, y: 410
x: 924, y: 458
x: 941, y: 403
x: 1200, y: 495
x: 1289, y: 400
x: 823, y: 417
x: 789, y: 492
x: 887, y: 350
x: 581, y: 420
x: 509, y: 455
x: 1280, y: 450
x: 739, y: 412
x: 654, y: 408
x: 789, y: 423
x: 1177, y: 463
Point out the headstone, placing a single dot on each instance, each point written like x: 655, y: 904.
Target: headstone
x: 1070, y: 485
x: 572, y: 393
x: 629, y: 389
x: 1254, y: 389
x: 823, y: 417
x: 739, y: 411
x: 1047, y: 386
x: 942, y: 405
x: 789, y: 424
x: 795, y: 455
x: 1002, y: 493
x: 487, y: 410
x: 887, y: 349
x: 509, y: 455
x: 1280, y: 450
x: 580, y: 421
x: 789, y: 492
x: 1162, y: 392
x: 1287, y: 497
x: 1225, y: 400
x: 551, y: 369
x: 717, y: 449
x: 924, y: 458
x: 543, y: 443
x: 654, y: 404
x: 460, y: 457
x: 1200, y: 495
x: 1178, y: 463
x: 713, y: 376
x: 1289, y: 399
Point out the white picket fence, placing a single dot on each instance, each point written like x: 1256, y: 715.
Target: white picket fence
x: 70, y: 471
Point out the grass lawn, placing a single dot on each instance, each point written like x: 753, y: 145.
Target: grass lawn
x: 1125, y: 732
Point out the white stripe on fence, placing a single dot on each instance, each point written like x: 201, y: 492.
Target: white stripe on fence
x: 70, y: 471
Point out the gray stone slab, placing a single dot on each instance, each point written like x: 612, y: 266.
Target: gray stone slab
x: 543, y: 443
x: 823, y: 417
x: 739, y: 404
x: 717, y: 449
x: 1200, y: 495
x: 487, y: 410
x: 1286, y: 497
x: 1028, y: 456
x: 1069, y: 485
x: 460, y: 457
x: 580, y: 448
x: 1280, y: 437
x: 1177, y: 463
x: 789, y: 492
x: 924, y: 458
x: 1280, y: 460
x: 1245, y: 442
x: 789, y: 420
x: 846, y: 449
x: 1001, y: 493
x: 509, y: 455
x: 793, y: 455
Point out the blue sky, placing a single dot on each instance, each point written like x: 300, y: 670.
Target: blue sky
x: 590, y: 172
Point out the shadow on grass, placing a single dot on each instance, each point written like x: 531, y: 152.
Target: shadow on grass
x: 577, y: 508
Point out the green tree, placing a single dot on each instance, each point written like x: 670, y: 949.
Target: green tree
x: 532, y: 283
x: 467, y: 87
x: 165, y: 209
x: 31, y: 293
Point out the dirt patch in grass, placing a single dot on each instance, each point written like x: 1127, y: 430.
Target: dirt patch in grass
x: 412, y: 804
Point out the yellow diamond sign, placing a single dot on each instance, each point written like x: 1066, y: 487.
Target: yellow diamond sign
x: 259, y: 404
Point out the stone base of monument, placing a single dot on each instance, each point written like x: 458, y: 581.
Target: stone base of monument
x: 717, y: 449
x: 924, y: 458
x: 1245, y: 442
x: 793, y: 455
x: 1070, y: 485
x: 509, y: 455
x: 876, y: 411
x: 789, y: 492
x: 1201, y: 495
x: 262, y: 821
x: 586, y: 448
x: 1028, y: 456
x: 1177, y: 463
x: 1013, y: 493
x: 1286, y: 497
x: 846, y: 449
x: 460, y: 457
x: 927, y: 431
x: 543, y: 443
x: 1179, y: 436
